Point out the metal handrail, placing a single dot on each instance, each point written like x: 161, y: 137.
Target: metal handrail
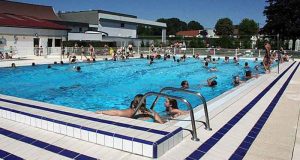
x: 207, y: 124
x: 194, y: 132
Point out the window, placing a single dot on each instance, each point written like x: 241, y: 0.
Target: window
x: 49, y: 43
x: 57, y: 42
x: 80, y: 29
x: 122, y: 25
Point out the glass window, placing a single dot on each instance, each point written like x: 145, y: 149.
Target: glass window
x: 57, y: 42
x: 49, y: 44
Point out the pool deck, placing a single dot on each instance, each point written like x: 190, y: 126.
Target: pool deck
x: 257, y: 120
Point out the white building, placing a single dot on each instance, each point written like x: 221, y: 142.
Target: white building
x: 113, y: 26
x: 211, y: 33
x: 23, y: 26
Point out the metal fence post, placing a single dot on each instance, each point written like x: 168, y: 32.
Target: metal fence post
x: 235, y: 52
x: 193, y: 51
x: 214, y: 52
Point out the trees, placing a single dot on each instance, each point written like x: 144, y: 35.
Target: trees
x: 224, y: 27
x: 173, y: 25
x: 193, y: 25
x: 204, y: 33
x: 248, y: 27
x: 283, y: 18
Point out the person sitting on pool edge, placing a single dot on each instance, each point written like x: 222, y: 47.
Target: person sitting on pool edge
x: 172, y: 108
x: 211, y: 82
x: 185, y: 84
x: 143, y: 112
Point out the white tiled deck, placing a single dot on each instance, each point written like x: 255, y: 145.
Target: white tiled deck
x: 134, y: 136
x: 278, y: 139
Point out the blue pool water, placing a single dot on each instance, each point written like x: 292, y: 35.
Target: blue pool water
x: 112, y: 85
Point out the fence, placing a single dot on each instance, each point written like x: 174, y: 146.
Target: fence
x: 105, y: 51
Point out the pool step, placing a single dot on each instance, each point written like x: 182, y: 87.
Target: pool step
x: 134, y: 136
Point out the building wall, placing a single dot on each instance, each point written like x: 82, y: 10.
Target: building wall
x: 75, y: 29
x: 90, y: 17
x: 85, y: 36
x: 21, y: 40
x: 114, y: 28
x: 32, y: 31
x: 211, y: 33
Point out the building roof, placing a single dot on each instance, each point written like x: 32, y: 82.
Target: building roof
x: 192, y: 33
x: 93, y: 17
x: 18, y: 8
x: 103, y: 11
x: 12, y: 20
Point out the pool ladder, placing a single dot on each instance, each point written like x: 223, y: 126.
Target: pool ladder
x: 161, y: 94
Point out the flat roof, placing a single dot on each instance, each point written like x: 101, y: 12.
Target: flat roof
x: 120, y: 17
x: 132, y: 20
x: 105, y: 12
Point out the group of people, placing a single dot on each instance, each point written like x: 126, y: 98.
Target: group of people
x: 5, y: 56
x: 143, y: 113
x: 90, y: 57
x: 38, y: 51
x: 271, y: 56
x: 122, y: 53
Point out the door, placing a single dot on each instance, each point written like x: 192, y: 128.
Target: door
x: 36, y: 42
x: 49, y: 43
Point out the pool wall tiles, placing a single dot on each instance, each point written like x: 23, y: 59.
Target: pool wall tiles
x: 113, y: 140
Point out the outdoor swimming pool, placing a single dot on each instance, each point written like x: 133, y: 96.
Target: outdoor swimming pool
x: 113, y: 84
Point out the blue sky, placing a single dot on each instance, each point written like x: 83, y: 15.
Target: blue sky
x: 207, y: 12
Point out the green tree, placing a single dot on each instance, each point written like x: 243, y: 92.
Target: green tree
x: 248, y: 27
x: 174, y: 25
x: 283, y: 18
x: 224, y: 27
x: 143, y: 30
x: 193, y: 25
x: 196, y: 43
x: 204, y: 33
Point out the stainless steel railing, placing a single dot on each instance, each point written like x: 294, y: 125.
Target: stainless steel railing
x: 194, y: 132
x: 207, y: 124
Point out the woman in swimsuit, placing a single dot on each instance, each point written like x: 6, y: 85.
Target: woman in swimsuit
x: 142, y: 113
x: 172, y: 108
x: 267, y: 58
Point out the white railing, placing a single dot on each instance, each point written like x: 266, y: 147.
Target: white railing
x: 30, y: 51
x: 45, y: 51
